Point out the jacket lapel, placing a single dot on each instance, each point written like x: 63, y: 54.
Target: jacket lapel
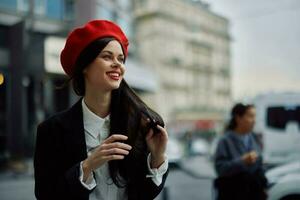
x: 238, y: 145
x: 73, y: 132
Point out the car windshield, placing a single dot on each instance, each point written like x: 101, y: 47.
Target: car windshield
x: 278, y: 117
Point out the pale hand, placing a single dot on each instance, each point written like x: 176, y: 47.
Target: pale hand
x: 157, y: 144
x: 250, y: 158
x: 110, y: 149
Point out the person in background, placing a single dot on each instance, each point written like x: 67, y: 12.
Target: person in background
x: 188, y: 137
x: 238, y: 160
x: 110, y: 144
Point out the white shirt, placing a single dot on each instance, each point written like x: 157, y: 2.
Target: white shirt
x: 96, y: 130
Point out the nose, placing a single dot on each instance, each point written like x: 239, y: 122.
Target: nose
x: 116, y: 63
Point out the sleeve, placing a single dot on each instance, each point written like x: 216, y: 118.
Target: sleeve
x: 148, y: 189
x: 225, y: 165
x: 156, y: 174
x: 51, y: 177
x: 90, y: 182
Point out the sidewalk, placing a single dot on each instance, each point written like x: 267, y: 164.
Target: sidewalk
x: 17, y: 184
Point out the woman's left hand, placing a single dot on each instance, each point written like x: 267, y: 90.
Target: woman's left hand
x: 157, y: 144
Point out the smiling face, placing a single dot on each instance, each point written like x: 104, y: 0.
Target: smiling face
x: 106, y: 72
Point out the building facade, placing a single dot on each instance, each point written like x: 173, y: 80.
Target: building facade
x: 189, y: 47
x: 24, y: 26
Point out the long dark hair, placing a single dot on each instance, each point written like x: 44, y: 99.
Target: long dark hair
x: 240, y: 110
x: 128, y: 116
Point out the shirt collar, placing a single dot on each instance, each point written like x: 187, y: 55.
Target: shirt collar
x: 92, y: 122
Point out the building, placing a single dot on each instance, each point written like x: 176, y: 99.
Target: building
x: 32, y: 34
x: 24, y: 26
x: 189, y: 47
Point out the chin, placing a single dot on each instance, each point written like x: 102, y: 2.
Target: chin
x: 113, y: 86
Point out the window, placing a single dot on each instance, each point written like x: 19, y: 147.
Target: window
x: 279, y: 117
x: 40, y: 7
x: 23, y: 5
x: 69, y: 10
x: 8, y: 4
x: 4, y: 41
x: 55, y: 9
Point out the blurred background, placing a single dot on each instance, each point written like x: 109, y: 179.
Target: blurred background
x: 190, y: 60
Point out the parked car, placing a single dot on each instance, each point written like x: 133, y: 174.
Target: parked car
x: 199, y: 147
x: 284, y: 182
x: 278, y: 126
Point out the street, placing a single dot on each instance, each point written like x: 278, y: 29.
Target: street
x: 192, y: 181
x: 17, y: 189
x: 181, y: 186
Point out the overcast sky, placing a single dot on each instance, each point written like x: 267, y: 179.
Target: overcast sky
x: 265, y: 46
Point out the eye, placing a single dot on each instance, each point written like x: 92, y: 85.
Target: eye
x: 121, y: 59
x: 106, y: 57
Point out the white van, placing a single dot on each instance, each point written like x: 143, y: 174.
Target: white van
x: 278, y: 126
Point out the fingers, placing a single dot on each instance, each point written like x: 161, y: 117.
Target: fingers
x: 253, y: 156
x: 112, y: 148
x: 162, y: 129
x: 115, y: 137
x: 246, y: 158
x: 250, y: 157
x: 114, y: 157
x: 150, y: 134
x: 115, y: 151
x: 112, y: 151
x: 119, y: 145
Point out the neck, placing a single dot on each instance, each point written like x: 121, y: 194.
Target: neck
x: 98, y: 103
x: 240, y: 131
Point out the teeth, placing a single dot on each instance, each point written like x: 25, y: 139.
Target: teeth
x: 113, y: 74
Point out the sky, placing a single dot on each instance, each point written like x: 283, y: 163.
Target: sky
x: 265, y: 46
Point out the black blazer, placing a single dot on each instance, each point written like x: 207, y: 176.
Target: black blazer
x: 60, y: 147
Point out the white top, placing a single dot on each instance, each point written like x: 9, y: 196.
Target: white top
x: 96, y: 130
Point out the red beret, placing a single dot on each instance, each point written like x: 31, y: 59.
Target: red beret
x: 81, y: 37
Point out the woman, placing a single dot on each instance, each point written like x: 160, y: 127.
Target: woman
x: 238, y: 160
x: 109, y: 145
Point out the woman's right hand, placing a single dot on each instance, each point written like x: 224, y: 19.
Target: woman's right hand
x: 110, y: 149
x: 250, y: 158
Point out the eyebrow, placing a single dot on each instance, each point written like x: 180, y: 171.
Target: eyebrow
x: 106, y: 51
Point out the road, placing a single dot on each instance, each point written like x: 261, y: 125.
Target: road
x: 192, y: 182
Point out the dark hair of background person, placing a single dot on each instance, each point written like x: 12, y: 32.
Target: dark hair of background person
x: 128, y: 116
x: 240, y: 110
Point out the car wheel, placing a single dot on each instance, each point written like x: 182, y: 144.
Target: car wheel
x: 291, y: 197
